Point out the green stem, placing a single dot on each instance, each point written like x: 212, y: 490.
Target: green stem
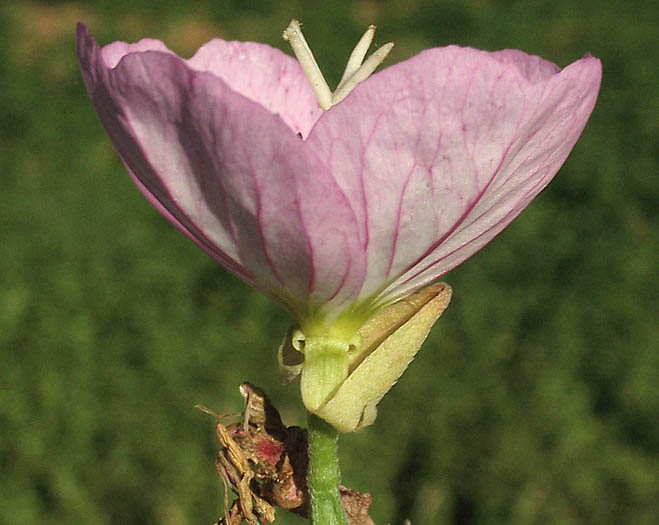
x: 324, y: 475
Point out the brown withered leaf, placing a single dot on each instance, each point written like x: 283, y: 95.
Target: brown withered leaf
x: 356, y: 506
x: 264, y: 463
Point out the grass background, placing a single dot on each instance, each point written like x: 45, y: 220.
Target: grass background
x: 534, y: 400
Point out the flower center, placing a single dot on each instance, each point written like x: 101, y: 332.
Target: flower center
x: 357, y: 70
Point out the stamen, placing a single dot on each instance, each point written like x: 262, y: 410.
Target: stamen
x: 357, y: 55
x: 294, y: 35
x: 356, y: 70
x: 362, y: 73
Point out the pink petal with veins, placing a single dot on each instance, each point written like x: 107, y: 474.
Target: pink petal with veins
x: 231, y: 175
x: 439, y: 153
x: 421, y: 166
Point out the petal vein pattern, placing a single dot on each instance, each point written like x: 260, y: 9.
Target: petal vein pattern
x: 348, y: 210
x: 231, y: 175
x: 449, y: 147
x: 265, y: 75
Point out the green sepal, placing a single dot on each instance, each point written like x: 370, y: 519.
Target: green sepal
x: 290, y: 356
x: 397, y: 334
x: 325, y: 367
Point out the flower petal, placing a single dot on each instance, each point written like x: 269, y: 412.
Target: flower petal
x: 231, y: 175
x: 265, y: 75
x: 439, y: 153
x: 114, y: 52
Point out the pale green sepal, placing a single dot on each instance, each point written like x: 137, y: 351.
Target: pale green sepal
x: 325, y: 367
x: 387, y: 321
x: 354, y: 404
x: 289, y: 355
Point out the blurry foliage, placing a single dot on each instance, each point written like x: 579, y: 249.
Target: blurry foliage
x: 535, y: 398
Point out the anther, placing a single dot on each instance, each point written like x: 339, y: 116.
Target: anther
x: 356, y: 70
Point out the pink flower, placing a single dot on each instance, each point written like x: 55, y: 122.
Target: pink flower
x: 338, y: 213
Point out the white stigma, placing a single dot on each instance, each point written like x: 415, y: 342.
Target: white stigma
x: 356, y: 70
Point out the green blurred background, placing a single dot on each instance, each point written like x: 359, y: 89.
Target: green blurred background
x: 535, y: 399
